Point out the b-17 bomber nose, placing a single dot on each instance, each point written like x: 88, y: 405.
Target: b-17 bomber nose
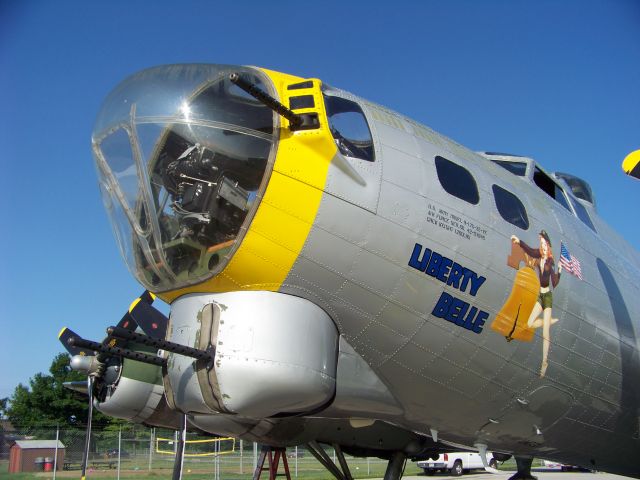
x: 183, y: 155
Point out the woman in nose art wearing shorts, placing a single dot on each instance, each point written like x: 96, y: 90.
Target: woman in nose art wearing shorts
x: 545, y: 266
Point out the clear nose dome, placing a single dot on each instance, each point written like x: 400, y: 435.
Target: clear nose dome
x: 182, y: 156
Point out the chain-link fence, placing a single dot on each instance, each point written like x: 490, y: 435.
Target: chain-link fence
x: 130, y: 451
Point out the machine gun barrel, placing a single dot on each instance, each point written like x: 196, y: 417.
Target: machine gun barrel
x: 160, y: 344
x: 116, y: 351
x: 268, y: 100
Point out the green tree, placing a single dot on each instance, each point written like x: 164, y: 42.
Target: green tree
x: 4, y: 404
x: 46, y: 402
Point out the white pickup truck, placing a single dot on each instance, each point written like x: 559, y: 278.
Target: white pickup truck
x: 456, y: 462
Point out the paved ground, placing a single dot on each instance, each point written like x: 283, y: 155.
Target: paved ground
x: 541, y: 474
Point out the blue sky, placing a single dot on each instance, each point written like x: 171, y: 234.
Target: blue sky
x: 554, y: 80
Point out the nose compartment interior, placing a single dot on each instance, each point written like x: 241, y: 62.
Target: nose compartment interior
x: 202, y: 195
x: 183, y: 156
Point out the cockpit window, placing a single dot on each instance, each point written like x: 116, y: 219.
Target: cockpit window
x: 551, y: 188
x: 181, y: 163
x: 579, y: 187
x: 517, y: 168
x: 349, y: 128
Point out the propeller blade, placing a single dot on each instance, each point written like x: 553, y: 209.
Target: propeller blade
x: 151, y: 321
x: 147, y: 297
x: 65, y: 335
x: 87, y: 438
x: 182, y: 438
x: 126, y: 322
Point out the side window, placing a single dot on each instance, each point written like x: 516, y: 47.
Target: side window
x: 349, y: 128
x: 510, y: 207
x: 457, y: 180
x: 582, y: 214
x: 551, y: 188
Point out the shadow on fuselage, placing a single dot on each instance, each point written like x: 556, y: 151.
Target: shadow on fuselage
x: 628, y: 423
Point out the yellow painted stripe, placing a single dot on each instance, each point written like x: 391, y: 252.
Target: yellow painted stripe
x: 61, y: 331
x: 133, y: 304
x: 631, y: 162
x: 288, y: 209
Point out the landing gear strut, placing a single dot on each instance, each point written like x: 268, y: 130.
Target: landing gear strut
x: 524, y: 469
x: 178, y: 463
x: 395, y: 467
x: 318, y: 452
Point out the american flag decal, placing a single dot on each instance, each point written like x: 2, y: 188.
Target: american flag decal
x: 569, y: 263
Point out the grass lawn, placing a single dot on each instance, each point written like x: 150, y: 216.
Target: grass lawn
x: 308, y: 469
x: 229, y: 468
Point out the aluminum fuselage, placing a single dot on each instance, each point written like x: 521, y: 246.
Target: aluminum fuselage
x: 476, y: 387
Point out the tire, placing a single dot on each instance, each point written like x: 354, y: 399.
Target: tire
x: 457, y: 469
x: 493, y: 463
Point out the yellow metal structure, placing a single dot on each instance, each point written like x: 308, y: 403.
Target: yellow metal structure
x: 217, y: 451
x: 286, y: 213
